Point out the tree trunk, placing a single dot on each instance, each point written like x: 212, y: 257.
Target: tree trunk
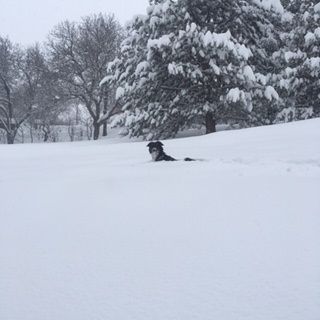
x: 210, y: 123
x: 104, y: 132
x: 96, y: 130
x: 10, y: 138
x: 46, y: 136
x: 31, y: 134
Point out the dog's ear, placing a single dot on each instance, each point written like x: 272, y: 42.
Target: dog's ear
x: 159, y: 143
x: 149, y: 144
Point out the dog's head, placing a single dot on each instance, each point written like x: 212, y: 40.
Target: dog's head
x: 155, y: 148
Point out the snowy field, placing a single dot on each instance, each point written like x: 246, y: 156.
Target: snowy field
x: 96, y: 231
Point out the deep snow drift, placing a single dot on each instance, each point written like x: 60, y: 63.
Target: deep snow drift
x: 95, y: 230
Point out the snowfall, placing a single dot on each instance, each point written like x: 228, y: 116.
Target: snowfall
x: 95, y: 230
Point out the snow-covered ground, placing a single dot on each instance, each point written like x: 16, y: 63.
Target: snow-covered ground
x: 95, y: 230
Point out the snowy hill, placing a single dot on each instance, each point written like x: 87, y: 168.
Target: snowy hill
x: 95, y: 230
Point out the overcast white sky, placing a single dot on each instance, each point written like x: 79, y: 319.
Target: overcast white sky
x: 28, y: 21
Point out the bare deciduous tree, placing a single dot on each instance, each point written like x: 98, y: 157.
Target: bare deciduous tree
x: 26, y: 86
x: 80, y: 53
x: 11, y: 113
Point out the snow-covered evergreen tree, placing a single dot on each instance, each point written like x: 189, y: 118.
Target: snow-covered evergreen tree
x: 300, y: 78
x: 256, y: 25
x: 193, y: 61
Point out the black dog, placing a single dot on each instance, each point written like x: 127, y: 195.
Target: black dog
x: 157, y: 153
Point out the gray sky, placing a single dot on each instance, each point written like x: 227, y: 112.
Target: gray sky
x: 28, y: 21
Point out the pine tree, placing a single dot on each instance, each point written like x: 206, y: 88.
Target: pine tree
x: 300, y: 79
x: 192, y: 62
x: 258, y: 29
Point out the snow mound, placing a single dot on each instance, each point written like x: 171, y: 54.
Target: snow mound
x: 95, y: 230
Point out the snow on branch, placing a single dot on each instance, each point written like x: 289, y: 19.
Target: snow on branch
x: 270, y: 93
x: 274, y: 5
x: 224, y: 40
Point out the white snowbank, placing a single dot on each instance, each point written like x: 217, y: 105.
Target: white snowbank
x: 94, y: 230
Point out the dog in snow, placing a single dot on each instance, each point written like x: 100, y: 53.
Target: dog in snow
x: 158, y: 154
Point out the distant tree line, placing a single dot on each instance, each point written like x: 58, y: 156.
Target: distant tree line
x: 185, y: 63
x: 40, y: 82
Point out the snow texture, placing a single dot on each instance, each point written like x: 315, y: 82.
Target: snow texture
x: 234, y: 95
x: 95, y: 230
x: 224, y: 40
x: 274, y: 5
x: 119, y: 93
x: 142, y: 66
x: 248, y: 73
x: 270, y: 93
x: 314, y: 63
x: 158, y: 43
